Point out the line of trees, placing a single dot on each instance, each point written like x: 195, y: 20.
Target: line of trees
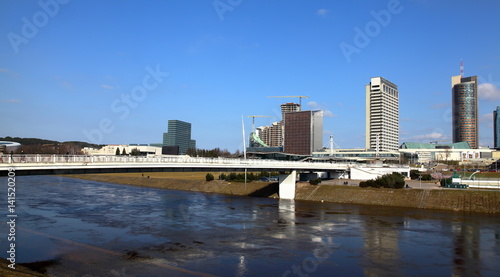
x: 45, y: 146
x: 212, y: 153
x: 133, y: 152
x: 61, y: 149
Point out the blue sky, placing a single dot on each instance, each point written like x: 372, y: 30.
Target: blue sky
x: 116, y: 71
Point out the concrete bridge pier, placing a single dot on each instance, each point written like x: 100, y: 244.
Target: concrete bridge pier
x: 287, y: 185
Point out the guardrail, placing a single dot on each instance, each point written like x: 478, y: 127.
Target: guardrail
x: 27, y: 160
x: 19, y: 159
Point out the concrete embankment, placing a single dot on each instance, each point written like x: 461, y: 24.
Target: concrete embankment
x: 454, y: 200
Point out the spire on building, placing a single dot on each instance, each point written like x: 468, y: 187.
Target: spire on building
x: 461, y: 68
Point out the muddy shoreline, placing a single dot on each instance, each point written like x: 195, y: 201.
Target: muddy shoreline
x: 451, y: 200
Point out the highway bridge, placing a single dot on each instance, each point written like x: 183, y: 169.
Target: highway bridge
x: 78, y: 164
x: 82, y: 164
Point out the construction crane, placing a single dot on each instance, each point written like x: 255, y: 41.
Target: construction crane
x: 253, y: 120
x: 300, y: 97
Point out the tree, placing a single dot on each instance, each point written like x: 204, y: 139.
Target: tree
x: 315, y: 181
x: 135, y: 152
x: 124, y: 152
x: 117, y: 151
x: 209, y: 177
x: 394, y: 180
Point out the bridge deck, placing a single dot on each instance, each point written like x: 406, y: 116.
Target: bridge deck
x: 60, y: 164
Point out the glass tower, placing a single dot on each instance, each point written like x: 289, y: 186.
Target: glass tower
x: 179, y: 134
x: 464, y: 106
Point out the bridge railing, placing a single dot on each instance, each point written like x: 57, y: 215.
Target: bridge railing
x: 85, y: 159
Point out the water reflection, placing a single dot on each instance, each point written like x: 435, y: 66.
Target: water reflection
x: 466, y: 249
x: 154, y: 232
x: 381, y: 239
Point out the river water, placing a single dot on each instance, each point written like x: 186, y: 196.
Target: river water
x: 88, y: 228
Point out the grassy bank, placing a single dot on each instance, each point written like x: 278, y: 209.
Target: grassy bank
x: 454, y: 200
x: 20, y: 271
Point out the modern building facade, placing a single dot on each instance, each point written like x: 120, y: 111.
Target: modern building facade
x: 382, y: 115
x: 303, y: 132
x: 179, y: 134
x: 464, y: 110
x: 496, y: 128
x: 271, y: 135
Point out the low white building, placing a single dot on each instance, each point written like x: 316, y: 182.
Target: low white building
x: 111, y: 149
x: 460, y: 151
x: 373, y: 172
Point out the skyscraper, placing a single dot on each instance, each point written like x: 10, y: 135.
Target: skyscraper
x: 464, y: 110
x: 382, y: 115
x: 496, y: 127
x: 179, y: 134
x: 303, y: 132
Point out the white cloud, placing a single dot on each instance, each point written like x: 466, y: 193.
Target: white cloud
x: 4, y: 70
x: 315, y: 105
x: 107, y: 87
x: 430, y: 136
x: 322, y: 12
x: 488, y: 91
x: 328, y: 113
x: 488, y: 117
x: 312, y: 104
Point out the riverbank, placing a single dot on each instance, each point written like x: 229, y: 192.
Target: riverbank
x: 452, y: 200
x: 20, y: 271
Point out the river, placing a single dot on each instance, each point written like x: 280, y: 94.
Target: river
x: 88, y: 228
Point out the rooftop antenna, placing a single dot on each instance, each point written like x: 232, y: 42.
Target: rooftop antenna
x: 461, y: 68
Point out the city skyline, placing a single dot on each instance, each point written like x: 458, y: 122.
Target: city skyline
x: 117, y: 78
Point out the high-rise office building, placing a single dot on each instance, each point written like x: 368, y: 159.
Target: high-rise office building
x: 464, y: 110
x: 179, y: 134
x: 303, y: 132
x: 496, y: 127
x: 382, y: 115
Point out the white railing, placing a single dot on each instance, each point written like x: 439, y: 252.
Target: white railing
x: 85, y: 159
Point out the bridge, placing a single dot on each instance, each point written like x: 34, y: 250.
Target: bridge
x: 77, y: 164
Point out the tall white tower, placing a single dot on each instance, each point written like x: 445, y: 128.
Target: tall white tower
x: 382, y: 115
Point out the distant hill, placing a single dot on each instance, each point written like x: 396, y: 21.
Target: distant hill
x: 37, y: 141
